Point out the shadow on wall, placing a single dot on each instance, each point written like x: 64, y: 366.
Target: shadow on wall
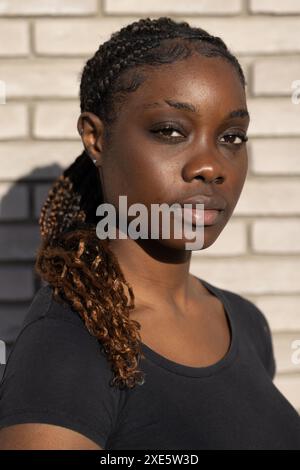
x: 20, y: 207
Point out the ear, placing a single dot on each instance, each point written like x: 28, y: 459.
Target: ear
x: 91, y: 130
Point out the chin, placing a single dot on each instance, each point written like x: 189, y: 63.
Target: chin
x: 210, y: 235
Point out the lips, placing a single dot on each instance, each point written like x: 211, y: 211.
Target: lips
x: 210, y: 203
x: 213, y: 208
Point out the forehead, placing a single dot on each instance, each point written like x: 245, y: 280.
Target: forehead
x: 211, y: 82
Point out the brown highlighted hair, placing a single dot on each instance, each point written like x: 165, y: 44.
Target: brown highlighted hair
x: 80, y: 267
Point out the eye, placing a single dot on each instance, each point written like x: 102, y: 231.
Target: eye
x: 243, y: 138
x: 166, y: 129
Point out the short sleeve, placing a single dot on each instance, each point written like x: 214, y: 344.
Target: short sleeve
x: 56, y: 374
x: 269, y: 348
x: 263, y: 337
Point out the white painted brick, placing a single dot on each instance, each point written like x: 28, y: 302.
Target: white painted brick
x: 56, y: 120
x: 232, y: 241
x: 267, y: 196
x: 274, y: 116
x: 258, y: 275
x: 48, y: 7
x: 285, y: 353
x: 276, y: 236
x: 282, y: 312
x: 246, y: 63
x: 289, y: 386
x: 41, y: 78
x: 14, y: 247
x: 16, y: 283
x: 274, y: 76
x: 275, y: 6
x: 14, y: 121
x: 14, y: 201
x: 14, y: 38
x: 241, y: 35
x: 74, y: 36
x: 253, y: 35
x: 41, y: 192
x: 36, y: 160
x: 275, y: 156
x: 136, y: 7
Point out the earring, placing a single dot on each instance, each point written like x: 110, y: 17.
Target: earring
x: 94, y: 161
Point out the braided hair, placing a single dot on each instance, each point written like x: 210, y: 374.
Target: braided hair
x: 80, y: 267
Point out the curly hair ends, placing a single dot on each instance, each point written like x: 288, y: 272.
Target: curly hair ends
x: 86, y: 275
x: 81, y: 268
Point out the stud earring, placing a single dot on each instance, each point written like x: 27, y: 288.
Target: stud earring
x: 94, y: 161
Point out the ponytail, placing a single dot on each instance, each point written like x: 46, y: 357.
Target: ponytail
x: 84, y: 272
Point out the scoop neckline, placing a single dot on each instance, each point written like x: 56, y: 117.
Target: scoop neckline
x: 182, y: 369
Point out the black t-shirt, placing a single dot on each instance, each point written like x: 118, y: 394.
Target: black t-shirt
x: 57, y: 373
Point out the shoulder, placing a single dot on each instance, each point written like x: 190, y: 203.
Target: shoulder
x: 251, y: 323
x: 57, y: 373
x: 55, y: 332
x: 247, y: 312
x: 59, y: 331
x: 44, y: 306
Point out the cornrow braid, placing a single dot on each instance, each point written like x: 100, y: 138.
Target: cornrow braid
x: 141, y: 43
x: 82, y: 269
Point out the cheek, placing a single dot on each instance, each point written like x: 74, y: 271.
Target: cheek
x: 140, y: 175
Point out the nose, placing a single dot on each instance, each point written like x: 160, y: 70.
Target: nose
x: 204, y: 167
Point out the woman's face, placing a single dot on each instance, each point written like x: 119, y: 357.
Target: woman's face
x: 201, y: 155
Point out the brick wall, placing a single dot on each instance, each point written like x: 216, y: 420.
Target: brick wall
x: 43, y: 46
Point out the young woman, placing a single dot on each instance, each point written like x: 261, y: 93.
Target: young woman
x: 123, y: 348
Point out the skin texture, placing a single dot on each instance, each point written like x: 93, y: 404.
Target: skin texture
x: 151, y: 170
x: 148, y: 170
x: 36, y: 436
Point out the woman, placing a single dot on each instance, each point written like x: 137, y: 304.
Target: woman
x: 123, y: 348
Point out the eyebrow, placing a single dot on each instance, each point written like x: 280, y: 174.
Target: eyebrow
x: 241, y: 112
